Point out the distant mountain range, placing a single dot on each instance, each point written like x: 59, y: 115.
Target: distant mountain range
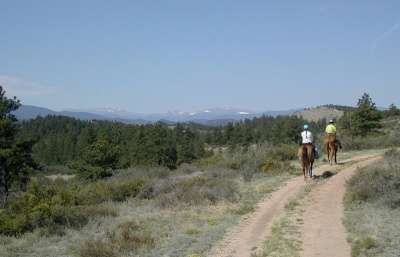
x: 210, y: 117
x: 26, y: 112
x: 214, y: 116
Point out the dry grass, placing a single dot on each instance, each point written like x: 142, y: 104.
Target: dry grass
x: 284, y: 239
x: 373, y: 209
x: 180, y: 213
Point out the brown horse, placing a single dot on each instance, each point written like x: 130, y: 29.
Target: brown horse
x: 331, y: 148
x: 306, y: 156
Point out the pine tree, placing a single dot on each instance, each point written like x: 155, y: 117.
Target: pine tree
x: 15, y: 155
x: 98, y: 160
x: 366, y: 118
x: 186, y: 144
x: 393, y: 111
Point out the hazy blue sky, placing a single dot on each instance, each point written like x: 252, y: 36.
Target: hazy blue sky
x: 155, y: 56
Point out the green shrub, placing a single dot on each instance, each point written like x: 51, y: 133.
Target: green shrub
x: 378, y: 140
x: 271, y: 165
x: 54, y: 205
x: 40, y: 207
x: 244, y: 208
x: 196, y: 190
x: 13, y: 224
x: 372, y: 208
x: 212, y: 160
x: 112, y: 190
x: 127, y: 237
x: 130, y: 236
x: 89, y: 172
x: 379, y: 183
x: 250, y: 160
x: 192, y: 231
x: 282, y: 152
x: 56, y: 170
x: 360, y: 246
x: 273, y: 159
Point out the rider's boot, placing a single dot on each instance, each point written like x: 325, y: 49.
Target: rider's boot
x: 316, y: 153
x: 339, y: 143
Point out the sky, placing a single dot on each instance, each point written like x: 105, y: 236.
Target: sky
x: 157, y: 56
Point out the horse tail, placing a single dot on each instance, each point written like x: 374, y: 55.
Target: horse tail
x: 304, y: 152
x: 310, y: 154
x: 327, y: 147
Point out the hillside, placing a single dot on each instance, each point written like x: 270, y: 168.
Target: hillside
x: 318, y: 113
x: 26, y: 112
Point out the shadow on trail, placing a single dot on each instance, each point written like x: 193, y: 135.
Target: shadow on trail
x: 325, y: 175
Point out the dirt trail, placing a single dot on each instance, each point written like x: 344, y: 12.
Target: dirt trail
x: 323, y: 233
x: 248, y: 236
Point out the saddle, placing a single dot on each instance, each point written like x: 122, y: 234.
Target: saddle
x: 330, y: 138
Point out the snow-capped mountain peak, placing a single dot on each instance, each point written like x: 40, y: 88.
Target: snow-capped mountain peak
x: 117, y: 114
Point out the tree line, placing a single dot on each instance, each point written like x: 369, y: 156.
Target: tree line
x: 61, y: 140
x: 94, y: 148
x: 64, y: 140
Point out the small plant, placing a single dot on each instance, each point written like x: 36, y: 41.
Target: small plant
x: 192, y: 231
x: 127, y: 237
x: 212, y: 222
x: 130, y: 236
x: 198, y: 190
x: 97, y: 248
x: 245, y: 208
x: 292, y: 204
x: 361, y: 246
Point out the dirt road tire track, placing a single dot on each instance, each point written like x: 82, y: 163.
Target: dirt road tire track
x: 248, y: 236
x: 323, y: 232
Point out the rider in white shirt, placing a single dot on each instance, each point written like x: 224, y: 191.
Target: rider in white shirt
x: 306, y: 135
x: 307, y: 138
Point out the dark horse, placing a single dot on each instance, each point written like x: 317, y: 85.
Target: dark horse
x: 306, y: 155
x: 331, y: 148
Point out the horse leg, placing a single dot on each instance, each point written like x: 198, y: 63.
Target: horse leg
x: 306, y: 169
x: 327, y: 151
x: 336, y: 156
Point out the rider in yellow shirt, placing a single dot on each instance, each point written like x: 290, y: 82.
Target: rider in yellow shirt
x: 331, y: 129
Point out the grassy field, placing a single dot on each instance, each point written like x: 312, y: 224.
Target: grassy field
x: 151, y: 211
x: 372, y: 215
x: 142, y: 212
